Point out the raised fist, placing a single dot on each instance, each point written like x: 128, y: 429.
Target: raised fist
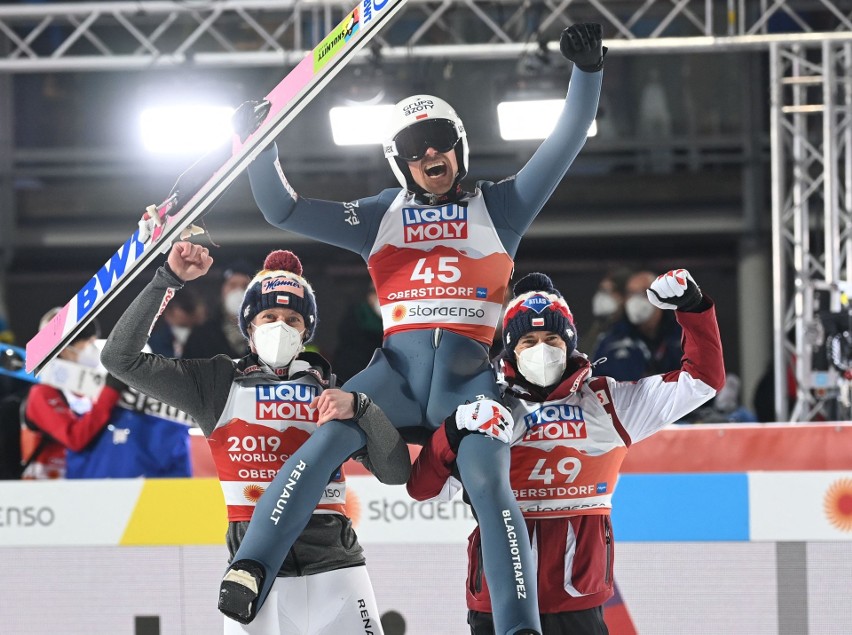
x: 675, y: 290
x: 248, y: 117
x: 583, y: 45
x: 189, y: 261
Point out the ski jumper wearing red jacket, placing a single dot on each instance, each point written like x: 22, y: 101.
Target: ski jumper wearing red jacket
x: 567, y: 448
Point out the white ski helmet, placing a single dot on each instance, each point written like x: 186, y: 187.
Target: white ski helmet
x: 444, y: 132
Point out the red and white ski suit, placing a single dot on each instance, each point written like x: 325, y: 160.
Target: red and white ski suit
x: 567, y: 450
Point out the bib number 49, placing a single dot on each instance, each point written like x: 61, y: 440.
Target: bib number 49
x: 448, y: 272
x: 569, y: 466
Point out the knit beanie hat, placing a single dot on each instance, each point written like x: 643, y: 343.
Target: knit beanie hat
x: 280, y: 285
x: 537, y: 306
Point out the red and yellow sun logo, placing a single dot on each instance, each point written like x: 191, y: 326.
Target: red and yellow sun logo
x: 398, y: 312
x: 253, y: 492
x: 352, y: 508
x: 838, y: 504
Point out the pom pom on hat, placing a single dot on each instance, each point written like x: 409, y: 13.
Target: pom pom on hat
x: 537, y: 306
x: 283, y: 260
x: 280, y: 285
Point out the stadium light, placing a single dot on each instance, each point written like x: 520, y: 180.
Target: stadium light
x: 532, y: 119
x: 359, y: 125
x: 185, y: 129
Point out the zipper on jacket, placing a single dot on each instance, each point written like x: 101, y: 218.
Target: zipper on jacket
x: 608, y: 536
x: 477, y: 579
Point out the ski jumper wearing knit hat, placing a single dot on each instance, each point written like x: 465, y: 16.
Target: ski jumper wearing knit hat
x: 568, y: 445
x: 254, y: 417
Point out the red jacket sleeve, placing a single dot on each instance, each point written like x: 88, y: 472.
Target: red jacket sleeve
x: 432, y: 468
x: 702, y: 347
x: 49, y: 411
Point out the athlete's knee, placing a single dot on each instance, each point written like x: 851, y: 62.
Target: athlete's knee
x: 334, y: 441
x: 484, y: 472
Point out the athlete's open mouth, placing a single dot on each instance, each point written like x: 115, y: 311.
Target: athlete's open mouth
x: 435, y: 169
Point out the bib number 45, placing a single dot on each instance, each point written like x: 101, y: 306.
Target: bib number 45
x: 447, y: 271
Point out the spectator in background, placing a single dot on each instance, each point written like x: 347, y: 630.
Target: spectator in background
x: 607, y: 304
x: 359, y: 335
x: 62, y: 420
x: 725, y: 407
x: 220, y: 334
x: 184, y: 313
x: 645, y: 342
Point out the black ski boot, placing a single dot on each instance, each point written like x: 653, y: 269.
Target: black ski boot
x: 239, y: 590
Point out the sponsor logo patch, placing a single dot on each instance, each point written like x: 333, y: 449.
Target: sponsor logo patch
x: 555, y: 421
x: 398, y: 313
x: 537, y: 303
x: 279, y: 284
x: 285, y: 402
x: 420, y: 106
x: 446, y: 222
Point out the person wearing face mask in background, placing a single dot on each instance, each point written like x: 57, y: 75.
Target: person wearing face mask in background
x: 571, y: 427
x: 221, y: 334
x: 275, y: 397
x: 60, y: 420
x: 171, y: 333
x: 646, y: 341
x: 607, y: 305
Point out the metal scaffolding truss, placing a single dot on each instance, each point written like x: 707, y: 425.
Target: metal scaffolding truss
x: 146, y: 34
x: 811, y: 127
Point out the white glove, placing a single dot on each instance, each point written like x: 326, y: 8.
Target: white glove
x: 487, y: 417
x: 675, y: 290
x: 149, y: 221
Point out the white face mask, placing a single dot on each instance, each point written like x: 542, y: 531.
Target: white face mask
x: 89, y: 356
x: 542, y: 364
x: 234, y: 302
x: 277, y: 343
x: 603, y: 304
x: 638, y: 309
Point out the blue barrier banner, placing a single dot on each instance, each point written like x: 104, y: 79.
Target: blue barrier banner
x: 681, y: 507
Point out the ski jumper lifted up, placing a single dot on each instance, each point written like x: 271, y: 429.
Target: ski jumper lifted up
x: 441, y: 259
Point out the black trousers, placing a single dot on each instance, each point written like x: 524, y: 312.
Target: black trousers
x: 586, y: 622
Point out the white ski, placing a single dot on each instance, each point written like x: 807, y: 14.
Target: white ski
x: 201, y: 185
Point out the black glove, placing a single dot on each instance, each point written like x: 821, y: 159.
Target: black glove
x: 676, y: 290
x: 115, y: 383
x: 248, y: 117
x: 454, y: 434
x: 582, y: 44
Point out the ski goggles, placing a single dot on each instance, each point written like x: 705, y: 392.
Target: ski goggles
x: 411, y: 143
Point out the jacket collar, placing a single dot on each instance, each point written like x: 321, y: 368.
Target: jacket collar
x: 306, y: 363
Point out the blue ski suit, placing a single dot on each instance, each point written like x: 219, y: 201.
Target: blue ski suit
x: 441, y: 272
